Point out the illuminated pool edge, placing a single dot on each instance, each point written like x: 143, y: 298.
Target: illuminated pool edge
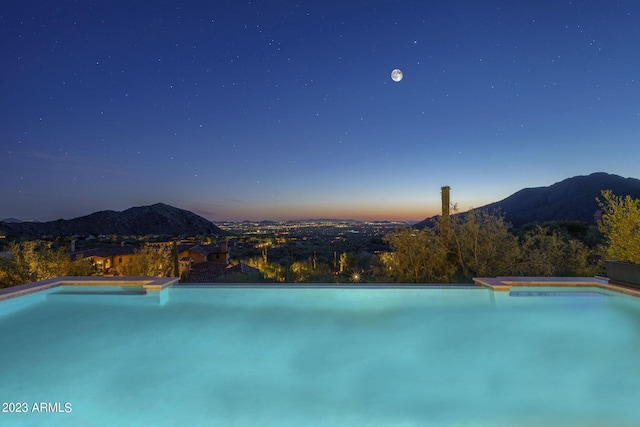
x: 505, y: 284
x: 152, y: 284
x: 154, y: 289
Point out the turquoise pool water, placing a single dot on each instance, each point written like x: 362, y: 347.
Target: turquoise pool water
x: 321, y: 357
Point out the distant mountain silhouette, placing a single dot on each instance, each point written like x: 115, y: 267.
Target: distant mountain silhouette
x: 573, y: 199
x: 158, y: 219
x: 10, y: 220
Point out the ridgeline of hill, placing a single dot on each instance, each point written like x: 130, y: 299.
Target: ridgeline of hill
x: 573, y: 199
x: 158, y: 219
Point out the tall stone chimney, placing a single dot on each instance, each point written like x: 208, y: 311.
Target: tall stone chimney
x: 445, y: 202
x: 444, y: 220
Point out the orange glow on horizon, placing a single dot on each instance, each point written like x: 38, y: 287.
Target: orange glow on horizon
x: 296, y: 212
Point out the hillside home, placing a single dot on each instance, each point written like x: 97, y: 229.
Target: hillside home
x: 107, y: 259
x: 191, y: 255
x: 210, y: 272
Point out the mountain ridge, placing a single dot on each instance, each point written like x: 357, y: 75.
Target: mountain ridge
x: 572, y: 199
x: 156, y: 219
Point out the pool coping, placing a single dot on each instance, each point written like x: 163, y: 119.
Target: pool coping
x: 148, y: 283
x: 331, y: 285
x: 504, y: 284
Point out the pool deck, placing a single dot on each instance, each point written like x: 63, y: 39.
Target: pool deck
x: 148, y: 283
x: 504, y: 284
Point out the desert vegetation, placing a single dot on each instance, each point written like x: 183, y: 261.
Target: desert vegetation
x: 36, y: 260
x: 620, y: 225
x: 476, y: 243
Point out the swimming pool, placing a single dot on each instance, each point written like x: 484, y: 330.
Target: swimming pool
x: 234, y: 356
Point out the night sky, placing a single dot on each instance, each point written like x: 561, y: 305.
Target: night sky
x: 281, y: 109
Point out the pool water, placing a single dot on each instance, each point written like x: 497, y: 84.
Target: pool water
x: 322, y: 357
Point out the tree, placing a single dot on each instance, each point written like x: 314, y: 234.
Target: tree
x: 542, y: 253
x: 584, y: 261
x: 33, y: 261
x: 482, y: 244
x: 82, y: 267
x: 5, y: 266
x: 620, y: 225
x: 418, y: 257
x: 302, y: 271
x: 347, y: 261
x: 153, y: 261
x: 270, y: 270
x: 545, y: 252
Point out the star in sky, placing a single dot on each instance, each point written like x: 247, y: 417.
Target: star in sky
x: 274, y: 110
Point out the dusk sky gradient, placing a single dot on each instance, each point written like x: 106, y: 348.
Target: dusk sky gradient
x: 286, y: 109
